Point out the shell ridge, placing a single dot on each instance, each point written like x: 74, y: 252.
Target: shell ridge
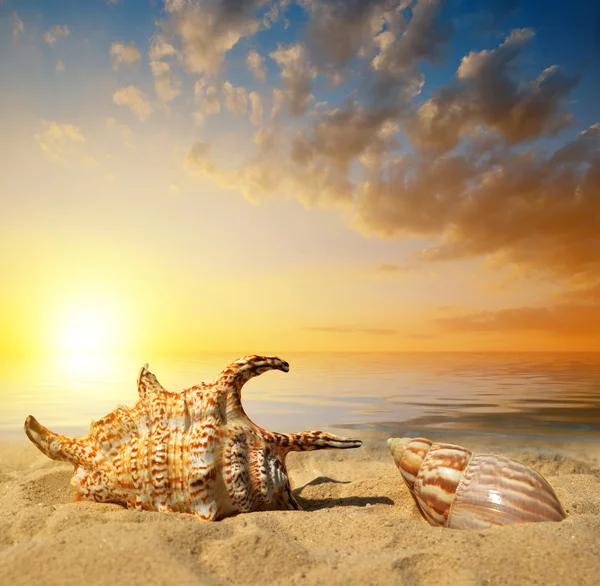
x: 489, y: 497
x: 439, y: 475
x: 462, y: 485
x: 158, y: 455
x: 239, y: 475
x: 202, y: 468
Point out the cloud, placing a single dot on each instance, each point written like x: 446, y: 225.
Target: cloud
x: 471, y: 184
x: 60, y: 66
x: 256, y: 107
x: 160, y: 48
x: 17, y: 27
x: 535, y: 210
x: 390, y: 36
x: 393, y: 270
x: 136, y: 100
x: 52, y: 35
x: 124, y: 54
x: 351, y: 330
x: 56, y: 138
x: 342, y: 134
x: 297, y: 75
x: 198, y: 159
x: 207, y: 31
x: 403, y: 43
x: 256, y: 64
x: 235, y: 99
x: 166, y: 86
x: 277, y: 9
x: 485, y: 93
x: 562, y: 319
x: 532, y: 209
x: 277, y: 101
x: 314, y: 163
x: 338, y: 30
x: 207, y: 97
x: 584, y: 292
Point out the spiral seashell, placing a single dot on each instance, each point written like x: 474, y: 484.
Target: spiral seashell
x: 458, y: 489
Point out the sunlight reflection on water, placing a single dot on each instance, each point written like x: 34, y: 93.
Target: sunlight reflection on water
x: 508, y: 394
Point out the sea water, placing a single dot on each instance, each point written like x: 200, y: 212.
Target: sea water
x: 505, y: 394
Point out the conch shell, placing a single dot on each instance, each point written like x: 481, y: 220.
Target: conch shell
x: 455, y: 488
x: 192, y: 452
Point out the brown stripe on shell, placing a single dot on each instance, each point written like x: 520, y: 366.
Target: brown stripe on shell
x: 438, y: 479
x: 420, y: 446
x: 412, y: 458
x: 499, y: 491
x: 521, y: 483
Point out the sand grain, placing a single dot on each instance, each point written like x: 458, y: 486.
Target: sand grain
x: 359, y: 526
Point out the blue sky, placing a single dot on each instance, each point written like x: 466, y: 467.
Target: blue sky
x: 565, y: 37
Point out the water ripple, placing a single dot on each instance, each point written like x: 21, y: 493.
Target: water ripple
x: 506, y: 394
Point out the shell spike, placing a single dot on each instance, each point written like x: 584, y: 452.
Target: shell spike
x: 253, y: 365
x: 239, y: 372
x: 147, y: 382
x: 55, y: 446
x: 315, y: 440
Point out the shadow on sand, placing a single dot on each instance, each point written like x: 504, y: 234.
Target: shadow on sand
x: 311, y: 504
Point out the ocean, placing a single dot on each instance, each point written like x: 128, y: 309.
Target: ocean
x: 513, y: 395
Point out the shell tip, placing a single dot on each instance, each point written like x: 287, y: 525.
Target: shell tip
x: 143, y: 371
x: 394, y: 442
x: 397, y: 445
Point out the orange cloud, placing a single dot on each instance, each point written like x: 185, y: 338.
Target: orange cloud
x: 256, y: 63
x: 207, y: 31
x: 352, y: 330
x: 564, y: 319
x: 135, y: 99
x: 52, y: 35
x: 297, y: 74
x: 485, y: 92
x: 57, y: 139
x: 124, y: 54
x: 589, y: 293
x: 519, y: 206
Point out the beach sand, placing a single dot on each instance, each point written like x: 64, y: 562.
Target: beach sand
x: 359, y: 526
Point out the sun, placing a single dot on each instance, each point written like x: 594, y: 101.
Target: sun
x: 86, y: 332
x: 89, y: 327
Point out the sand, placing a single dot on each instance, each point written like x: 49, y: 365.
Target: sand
x: 359, y: 526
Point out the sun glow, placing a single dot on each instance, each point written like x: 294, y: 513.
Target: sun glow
x: 89, y: 328
x: 86, y: 332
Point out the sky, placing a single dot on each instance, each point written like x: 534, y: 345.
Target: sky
x: 313, y: 175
